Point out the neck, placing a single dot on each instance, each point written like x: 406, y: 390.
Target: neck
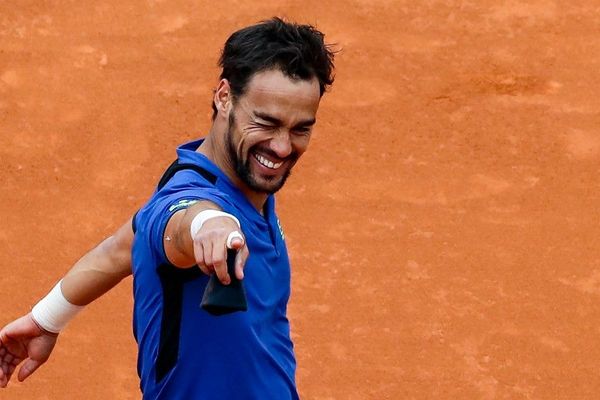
x: 213, y: 148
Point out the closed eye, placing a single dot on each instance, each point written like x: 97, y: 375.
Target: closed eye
x: 305, y: 130
x: 268, y: 122
x: 264, y: 126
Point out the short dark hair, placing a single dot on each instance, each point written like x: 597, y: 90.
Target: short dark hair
x: 299, y: 51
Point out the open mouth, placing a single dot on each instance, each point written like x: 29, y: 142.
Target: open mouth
x: 262, y: 160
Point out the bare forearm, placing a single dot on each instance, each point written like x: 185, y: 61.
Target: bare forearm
x: 179, y: 246
x: 100, y: 269
x: 33, y: 336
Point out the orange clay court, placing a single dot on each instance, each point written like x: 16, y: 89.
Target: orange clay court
x: 443, y: 227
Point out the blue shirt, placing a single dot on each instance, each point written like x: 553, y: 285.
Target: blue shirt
x: 186, y: 353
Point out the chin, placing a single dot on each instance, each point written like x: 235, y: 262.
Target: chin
x: 261, y: 183
x: 266, y: 185
x: 269, y: 187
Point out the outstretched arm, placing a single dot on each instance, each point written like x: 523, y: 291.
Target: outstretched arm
x: 100, y: 269
x: 200, y: 235
x: 93, y: 275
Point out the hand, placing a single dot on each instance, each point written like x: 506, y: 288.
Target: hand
x: 210, y: 250
x: 21, y: 340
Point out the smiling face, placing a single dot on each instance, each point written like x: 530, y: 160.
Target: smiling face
x: 269, y: 128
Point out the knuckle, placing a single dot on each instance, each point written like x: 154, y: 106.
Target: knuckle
x: 200, y: 236
x: 218, y: 262
x: 210, y: 235
x: 221, y: 273
x: 209, y: 266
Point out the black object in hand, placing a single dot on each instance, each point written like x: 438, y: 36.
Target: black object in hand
x: 222, y: 299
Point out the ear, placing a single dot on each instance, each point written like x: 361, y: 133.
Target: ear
x: 223, y: 98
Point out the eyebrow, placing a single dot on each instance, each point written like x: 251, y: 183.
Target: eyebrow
x: 277, y: 121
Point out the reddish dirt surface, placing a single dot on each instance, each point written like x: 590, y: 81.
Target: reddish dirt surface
x: 443, y: 227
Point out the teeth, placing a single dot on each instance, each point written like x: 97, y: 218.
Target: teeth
x: 267, y: 163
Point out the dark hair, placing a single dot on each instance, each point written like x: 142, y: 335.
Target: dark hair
x: 299, y: 51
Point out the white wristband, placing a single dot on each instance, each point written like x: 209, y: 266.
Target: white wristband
x: 53, y: 312
x: 204, y: 216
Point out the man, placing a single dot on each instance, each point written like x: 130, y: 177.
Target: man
x: 273, y: 77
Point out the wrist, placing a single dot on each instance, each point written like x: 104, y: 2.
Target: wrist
x: 204, y: 216
x: 54, y: 311
x: 41, y: 328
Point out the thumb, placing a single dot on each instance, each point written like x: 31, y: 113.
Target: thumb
x: 235, y: 240
x: 3, y: 336
x: 23, y: 327
x: 28, y: 368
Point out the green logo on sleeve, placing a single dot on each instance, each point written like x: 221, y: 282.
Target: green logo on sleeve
x: 181, y: 204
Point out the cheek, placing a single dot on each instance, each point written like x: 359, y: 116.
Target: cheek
x: 248, y: 139
x: 300, y: 143
x: 253, y: 136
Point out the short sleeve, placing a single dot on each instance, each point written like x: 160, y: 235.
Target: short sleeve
x: 151, y: 220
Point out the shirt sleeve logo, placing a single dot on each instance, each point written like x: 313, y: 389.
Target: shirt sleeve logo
x: 181, y: 204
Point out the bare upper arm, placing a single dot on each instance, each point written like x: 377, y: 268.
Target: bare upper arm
x: 122, y: 244
x: 100, y: 269
x: 118, y: 249
x: 177, y: 240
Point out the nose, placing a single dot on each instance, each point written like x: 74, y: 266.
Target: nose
x: 281, y: 144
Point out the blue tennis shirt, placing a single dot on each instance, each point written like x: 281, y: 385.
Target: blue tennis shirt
x: 186, y: 353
